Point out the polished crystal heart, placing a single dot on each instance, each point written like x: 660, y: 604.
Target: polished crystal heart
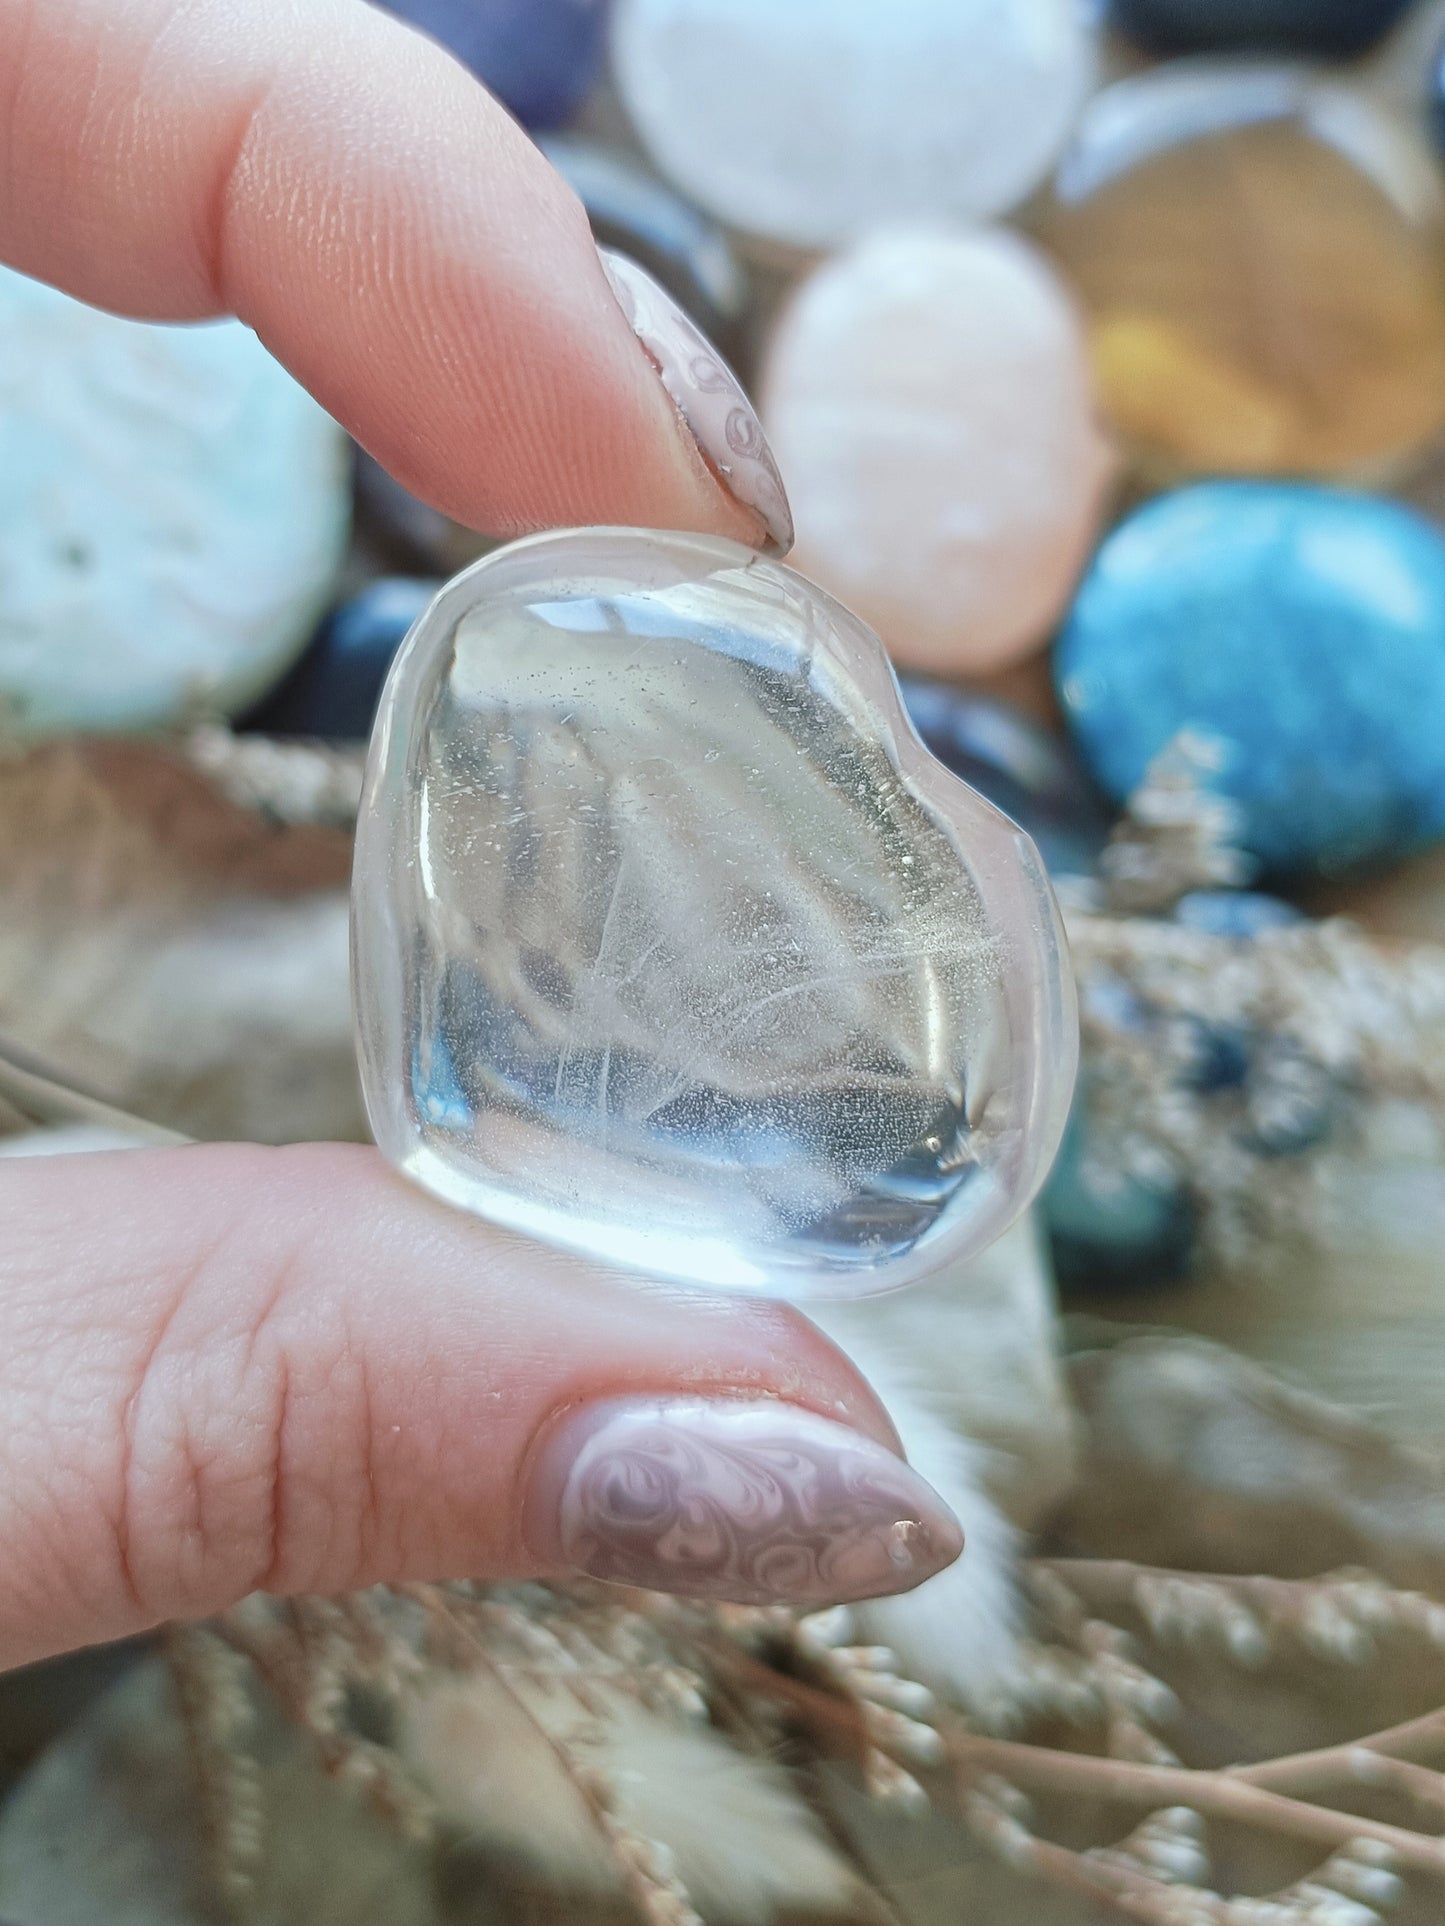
x: 673, y: 945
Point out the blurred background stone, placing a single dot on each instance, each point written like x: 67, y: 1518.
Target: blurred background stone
x: 173, y: 516
x: 1023, y: 769
x: 332, y: 692
x: 640, y: 216
x: 1301, y: 630
x: 810, y: 123
x: 1261, y: 252
x: 928, y: 398
x: 1329, y: 29
x: 540, y: 57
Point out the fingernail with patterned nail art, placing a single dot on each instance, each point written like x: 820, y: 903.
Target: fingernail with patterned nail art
x: 708, y: 396
x: 758, y: 1504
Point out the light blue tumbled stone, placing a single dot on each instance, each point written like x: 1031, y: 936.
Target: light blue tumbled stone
x: 173, y: 511
x: 1303, y: 630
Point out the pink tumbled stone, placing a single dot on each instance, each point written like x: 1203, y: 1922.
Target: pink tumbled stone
x: 928, y: 398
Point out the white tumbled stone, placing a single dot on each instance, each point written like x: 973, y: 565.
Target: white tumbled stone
x: 811, y: 120
x: 173, y: 511
x: 928, y: 398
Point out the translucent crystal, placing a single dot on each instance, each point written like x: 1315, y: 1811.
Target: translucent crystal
x: 674, y: 946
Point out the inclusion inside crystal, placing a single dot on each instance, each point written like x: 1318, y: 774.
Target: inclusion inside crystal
x: 673, y: 945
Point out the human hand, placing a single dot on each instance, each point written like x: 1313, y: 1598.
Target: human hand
x: 230, y: 1368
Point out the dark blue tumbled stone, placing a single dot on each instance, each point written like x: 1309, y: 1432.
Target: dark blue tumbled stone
x: 1301, y: 630
x: 1327, y: 29
x: 540, y: 57
x: 1030, y: 775
x: 333, y: 690
x: 634, y: 212
x: 1112, y: 1232
x: 1216, y: 1055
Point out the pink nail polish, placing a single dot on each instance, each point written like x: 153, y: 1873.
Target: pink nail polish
x: 756, y: 1503
x: 708, y: 396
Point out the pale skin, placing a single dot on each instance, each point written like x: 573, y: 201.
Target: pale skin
x: 229, y: 1368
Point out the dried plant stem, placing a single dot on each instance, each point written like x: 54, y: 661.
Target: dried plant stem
x: 1212, y: 1794
x: 1380, y: 1760
x: 1114, y: 1583
x: 1423, y: 1735
x: 1131, y: 1895
x: 287, y: 1665
x: 1125, y: 1782
x: 1345, y: 1766
x: 659, y: 1897
x: 215, y: 1713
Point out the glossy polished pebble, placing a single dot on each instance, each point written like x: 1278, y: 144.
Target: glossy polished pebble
x: 928, y: 396
x: 1032, y: 776
x: 638, y: 215
x: 1303, y: 629
x: 173, y: 511
x: 1262, y: 256
x: 333, y: 690
x: 809, y: 122
x: 674, y: 947
x: 540, y: 57
x: 1326, y: 29
x: 1108, y: 1230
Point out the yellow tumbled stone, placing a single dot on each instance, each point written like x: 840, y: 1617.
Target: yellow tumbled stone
x: 1262, y: 257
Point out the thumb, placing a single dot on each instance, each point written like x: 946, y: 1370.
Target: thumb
x: 225, y: 1369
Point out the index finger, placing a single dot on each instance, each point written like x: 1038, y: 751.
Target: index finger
x: 348, y: 190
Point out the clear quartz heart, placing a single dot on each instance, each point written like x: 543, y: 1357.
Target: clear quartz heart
x: 674, y: 946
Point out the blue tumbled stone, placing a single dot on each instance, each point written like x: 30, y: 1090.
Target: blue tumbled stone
x: 540, y: 57
x: 333, y: 690
x: 1328, y: 29
x: 1109, y: 1231
x: 1302, y: 630
x: 1240, y: 914
x: 1216, y: 1055
x: 1437, y: 97
x: 1030, y: 775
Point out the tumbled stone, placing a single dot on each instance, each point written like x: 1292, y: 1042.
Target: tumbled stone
x: 634, y: 213
x: 1239, y: 914
x: 173, y: 511
x: 1436, y: 103
x: 928, y: 397
x: 333, y: 690
x: 1034, y: 777
x: 1110, y: 1229
x: 540, y: 57
x: 1330, y: 29
x: 811, y: 122
x: 1300, y: 629
x: 673, y: 945
x: 1262, y: 255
